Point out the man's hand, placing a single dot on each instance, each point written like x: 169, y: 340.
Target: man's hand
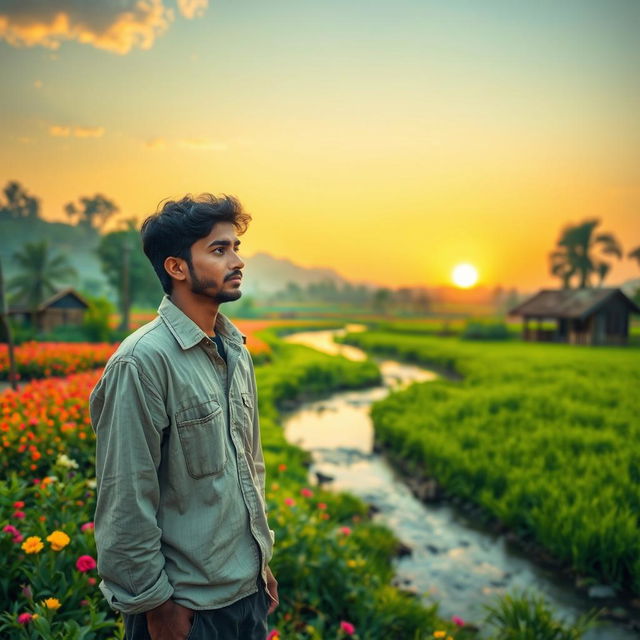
x: 169, y: 621
x: 272, y: 591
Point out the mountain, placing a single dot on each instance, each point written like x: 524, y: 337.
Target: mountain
x: 265, y: 274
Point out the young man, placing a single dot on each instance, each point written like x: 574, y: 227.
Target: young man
x: 181, y: 529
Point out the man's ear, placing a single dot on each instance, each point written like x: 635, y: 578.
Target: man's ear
x: 176, y: 268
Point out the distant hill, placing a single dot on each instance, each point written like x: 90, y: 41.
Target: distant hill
x: 265, y: 274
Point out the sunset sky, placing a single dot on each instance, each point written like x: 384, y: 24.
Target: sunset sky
x: 390, y: 140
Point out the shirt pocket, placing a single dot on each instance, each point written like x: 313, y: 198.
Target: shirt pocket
x: 201, y: 430
x: 247, y: 417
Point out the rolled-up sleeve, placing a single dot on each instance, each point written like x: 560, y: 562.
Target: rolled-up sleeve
x: 128, y: 416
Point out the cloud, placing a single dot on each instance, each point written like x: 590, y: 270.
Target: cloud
x: 115, y: 25
x: 156, y: 143
x: 193, y: 8
x: 63, y: 131
x: 202, y: 144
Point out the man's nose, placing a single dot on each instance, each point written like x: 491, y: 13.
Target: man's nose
x: 238, y: 262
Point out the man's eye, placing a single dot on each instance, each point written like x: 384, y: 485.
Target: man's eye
x: 219, y: 250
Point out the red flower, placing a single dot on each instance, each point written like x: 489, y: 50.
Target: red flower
x: 19, y: 515
x: 19, y: 504
x: 87, y: 526
x: 85, y: 563
x: 347, y: 627
x: 306, y: 493
x: 25, y: 618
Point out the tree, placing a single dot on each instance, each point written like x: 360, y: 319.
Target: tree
x: 580, y: 253
x: 19, y: 204
x: 635, y: 255
x: 91, y: 213
x: 127, y: 270
x: 40, y: 272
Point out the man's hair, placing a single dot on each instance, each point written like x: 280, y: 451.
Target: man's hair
x: 172, y: 230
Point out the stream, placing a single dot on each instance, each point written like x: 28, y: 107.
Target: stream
x: 453, y: 561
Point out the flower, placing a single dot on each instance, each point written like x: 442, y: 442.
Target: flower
x: 306, y: 493
x: 27, y: 592
x: 33, y: 544
x: 20, y: 515
x: 274, y: 634
x: 347, y: 627
x: 91, y: 581
x: 87, y: 526
x: 85, y: 563
x: 19, y: 504
x: 52, y: 603
x: 282, y: 467
x: 290, y: 502
x: 322, y: 506
x: 25, y: 618
x: 59, y: 540
x: 65, y: 461
x: 439, y: 634
x: 345, y: 531
x: 457, y: 620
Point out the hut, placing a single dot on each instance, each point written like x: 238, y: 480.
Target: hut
x: 577, y: 316
x: 66, y: 307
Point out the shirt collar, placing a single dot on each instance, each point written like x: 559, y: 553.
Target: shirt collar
x: 188, y: 333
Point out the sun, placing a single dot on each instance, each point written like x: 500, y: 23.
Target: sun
x: 464, y: 275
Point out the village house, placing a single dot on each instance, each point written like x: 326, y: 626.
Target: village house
x: 579, y: 316
x: 66, y: 307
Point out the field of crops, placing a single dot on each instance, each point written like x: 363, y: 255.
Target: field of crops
x: 544, y: 437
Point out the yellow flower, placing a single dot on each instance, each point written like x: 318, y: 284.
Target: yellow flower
x: 35, y: 616
x: 33, y: 544
x: 439, y: 634
x: 59, y: 540
x: 52, y: 603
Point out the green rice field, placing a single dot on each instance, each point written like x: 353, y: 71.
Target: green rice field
x: 543, y: 436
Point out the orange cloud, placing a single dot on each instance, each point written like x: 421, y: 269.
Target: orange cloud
x: 156, y: 143
x: 113, y: 26
x: 203, y: 144
x: 63, y: 131
x: 193, y: 8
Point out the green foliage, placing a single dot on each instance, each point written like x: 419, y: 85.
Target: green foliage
x: 530, y: 618
x: 39, y: 273
x: 95, y: 325
x: 475, y: 330
x: 144, y: 286
x: 537, y: 434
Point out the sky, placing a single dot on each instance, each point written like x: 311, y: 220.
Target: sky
x: 390, y: 140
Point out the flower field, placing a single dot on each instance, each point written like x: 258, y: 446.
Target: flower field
x: 43, y: 359
x: 539, y: 435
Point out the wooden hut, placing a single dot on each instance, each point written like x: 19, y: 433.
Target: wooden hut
x: 66, y: 307
x: 577, y: 316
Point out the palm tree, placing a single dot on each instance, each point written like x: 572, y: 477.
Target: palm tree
x: 635, y: 255
x: 39, y: 273
x: 579, y: 253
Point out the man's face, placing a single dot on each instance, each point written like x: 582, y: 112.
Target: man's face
x: 215, y: 269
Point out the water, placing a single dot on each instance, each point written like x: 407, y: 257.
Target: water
x: 452, y: 562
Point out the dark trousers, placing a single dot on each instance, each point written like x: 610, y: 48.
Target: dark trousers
x: 242, y: 620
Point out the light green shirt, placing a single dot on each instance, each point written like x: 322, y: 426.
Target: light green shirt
x: 180, y: 511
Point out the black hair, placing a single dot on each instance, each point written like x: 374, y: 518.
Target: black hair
x: 173, y: 229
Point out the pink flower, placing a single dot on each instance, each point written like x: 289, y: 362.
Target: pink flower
x: 290, y: 502
x: 457, y: 620
x: 19, y: 504
x: 19, y: 514
x: 91, y: 581
x: 274, y: 634
x: 17, y: 536
x: 27, y: 592
x: 345, y: 531
x: 85, y: 563
x: 25, y: 618
x: 347, y: 627
x: 87, y: 526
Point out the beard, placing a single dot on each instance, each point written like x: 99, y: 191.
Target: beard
x: 203, y: 287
